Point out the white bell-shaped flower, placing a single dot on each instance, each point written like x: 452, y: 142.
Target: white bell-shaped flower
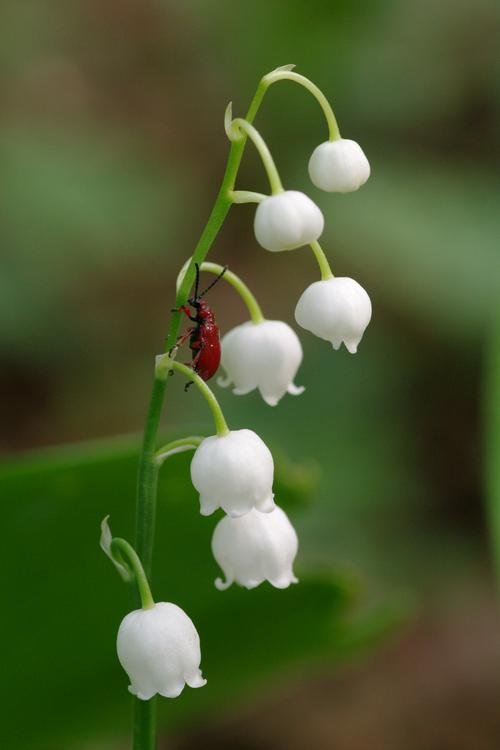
x: 287, y: 220
x: 337, y: 310
x: 233, y: 472
x: 254, y: 548
x: 159, y: 648
x: 263, y: 355
x: 339, y: 166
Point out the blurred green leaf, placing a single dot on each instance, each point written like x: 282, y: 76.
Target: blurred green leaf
x: 491, y: 409
x: 60, y: 676
x: 76, y: 205
x: 428, y: 240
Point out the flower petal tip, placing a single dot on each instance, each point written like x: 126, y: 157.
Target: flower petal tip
x: 242, y: 391
x: 172, y: 692
x: 249, y: 585
x: 267, y: 505
x: 296, y: 390
x: 223, y: 382
x: 139, y: 695
x: 283, y: 583
x: 196, y: 681
x: 270, y: 401
x: 221, y: 585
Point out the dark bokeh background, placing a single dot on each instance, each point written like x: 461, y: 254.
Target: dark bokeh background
x: 112, y: 146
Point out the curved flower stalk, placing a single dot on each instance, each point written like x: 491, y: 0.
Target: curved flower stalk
x: 339, y: 165
x: 254, y: 548
x: 177, y: 446
x: 166, y: 365
x: 287, y: 73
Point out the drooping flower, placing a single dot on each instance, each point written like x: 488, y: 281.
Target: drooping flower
x: 159, y: 648
x: 254, y: 548
x: 263, y: 355
x: 337, y: 310
x: 287, y: 220
x: 234, y: 472
x: 339, y: 166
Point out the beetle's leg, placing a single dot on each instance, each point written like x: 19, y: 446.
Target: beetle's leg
x: 186, y: 311
x: 194, y: 362
x: 195, y: 346
x: 180, y: 340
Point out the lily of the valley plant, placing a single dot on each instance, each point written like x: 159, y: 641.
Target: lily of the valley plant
x: 158, y: 645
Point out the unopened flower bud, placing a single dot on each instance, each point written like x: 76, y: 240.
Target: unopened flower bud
x: 263, y: 355
x: 159, y: 649
x: 234, y: 472
x: 287, y: 220
x: 337, y: 310
x: 254, y: 548
x: 339, y: 166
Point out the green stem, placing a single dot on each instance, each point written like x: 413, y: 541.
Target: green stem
x: 324, y: 266
x: 248, y: 298
x: 241, y: 127
x: 165, y: 365
x: 147, y: 473
x: 247, y: 196
x: 177, y: 446
x: 147, y: 479
x: 127, y: 555
x: 288, y: 75
x: 145, y: 724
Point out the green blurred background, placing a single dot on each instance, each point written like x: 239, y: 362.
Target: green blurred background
x: 112, y: 148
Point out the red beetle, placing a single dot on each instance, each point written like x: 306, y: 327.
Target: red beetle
x: 204, y: 340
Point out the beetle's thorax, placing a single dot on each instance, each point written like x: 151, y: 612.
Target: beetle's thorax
x: 204, y: 313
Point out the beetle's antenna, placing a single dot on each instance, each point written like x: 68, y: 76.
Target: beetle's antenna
x: 214, y: 282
